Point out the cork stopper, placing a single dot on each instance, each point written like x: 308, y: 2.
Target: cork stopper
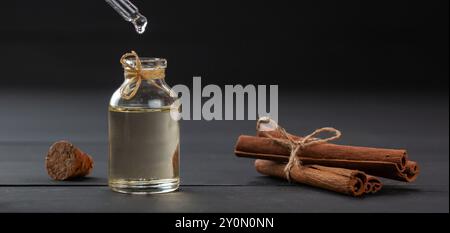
x: 65, y: 161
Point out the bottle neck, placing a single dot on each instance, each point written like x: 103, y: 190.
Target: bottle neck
x: 145, y: 74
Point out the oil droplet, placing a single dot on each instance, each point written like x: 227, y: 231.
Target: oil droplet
x: 140, y: 23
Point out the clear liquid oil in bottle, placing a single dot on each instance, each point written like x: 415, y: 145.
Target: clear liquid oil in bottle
x: 143, y: 130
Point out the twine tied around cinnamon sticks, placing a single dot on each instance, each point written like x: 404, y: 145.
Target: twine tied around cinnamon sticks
x: 136, y: 74
x: 298, y: 145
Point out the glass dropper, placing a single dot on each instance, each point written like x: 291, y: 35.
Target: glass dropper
x: 130, y: 13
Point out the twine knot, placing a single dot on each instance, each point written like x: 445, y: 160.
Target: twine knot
x: 296, y: 146
x: 135, y: 73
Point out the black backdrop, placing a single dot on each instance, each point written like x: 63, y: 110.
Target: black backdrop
x: 381, y: 45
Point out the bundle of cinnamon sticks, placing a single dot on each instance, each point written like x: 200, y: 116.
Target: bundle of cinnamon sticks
x: 345, y: 169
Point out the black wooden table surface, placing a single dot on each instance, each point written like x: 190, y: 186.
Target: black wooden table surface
x: 213, y: 179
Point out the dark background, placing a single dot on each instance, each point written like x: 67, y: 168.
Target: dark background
x: 381, y: 45
x: 376, y: 70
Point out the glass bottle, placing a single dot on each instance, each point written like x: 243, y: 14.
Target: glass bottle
x: 143, y: 130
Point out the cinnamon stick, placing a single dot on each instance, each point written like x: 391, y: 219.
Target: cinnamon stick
x: 373, y: 184
x: 65, y: 161
x: 389, y: 163
x: 341, y: 180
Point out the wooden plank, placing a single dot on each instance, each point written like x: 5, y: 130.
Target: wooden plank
x: 24, y: 165
x: 221, y: 199
x: 212, y: 178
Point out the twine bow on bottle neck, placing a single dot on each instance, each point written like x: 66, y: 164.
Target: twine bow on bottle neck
x: 135, y: 74
x: 297, y: 146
